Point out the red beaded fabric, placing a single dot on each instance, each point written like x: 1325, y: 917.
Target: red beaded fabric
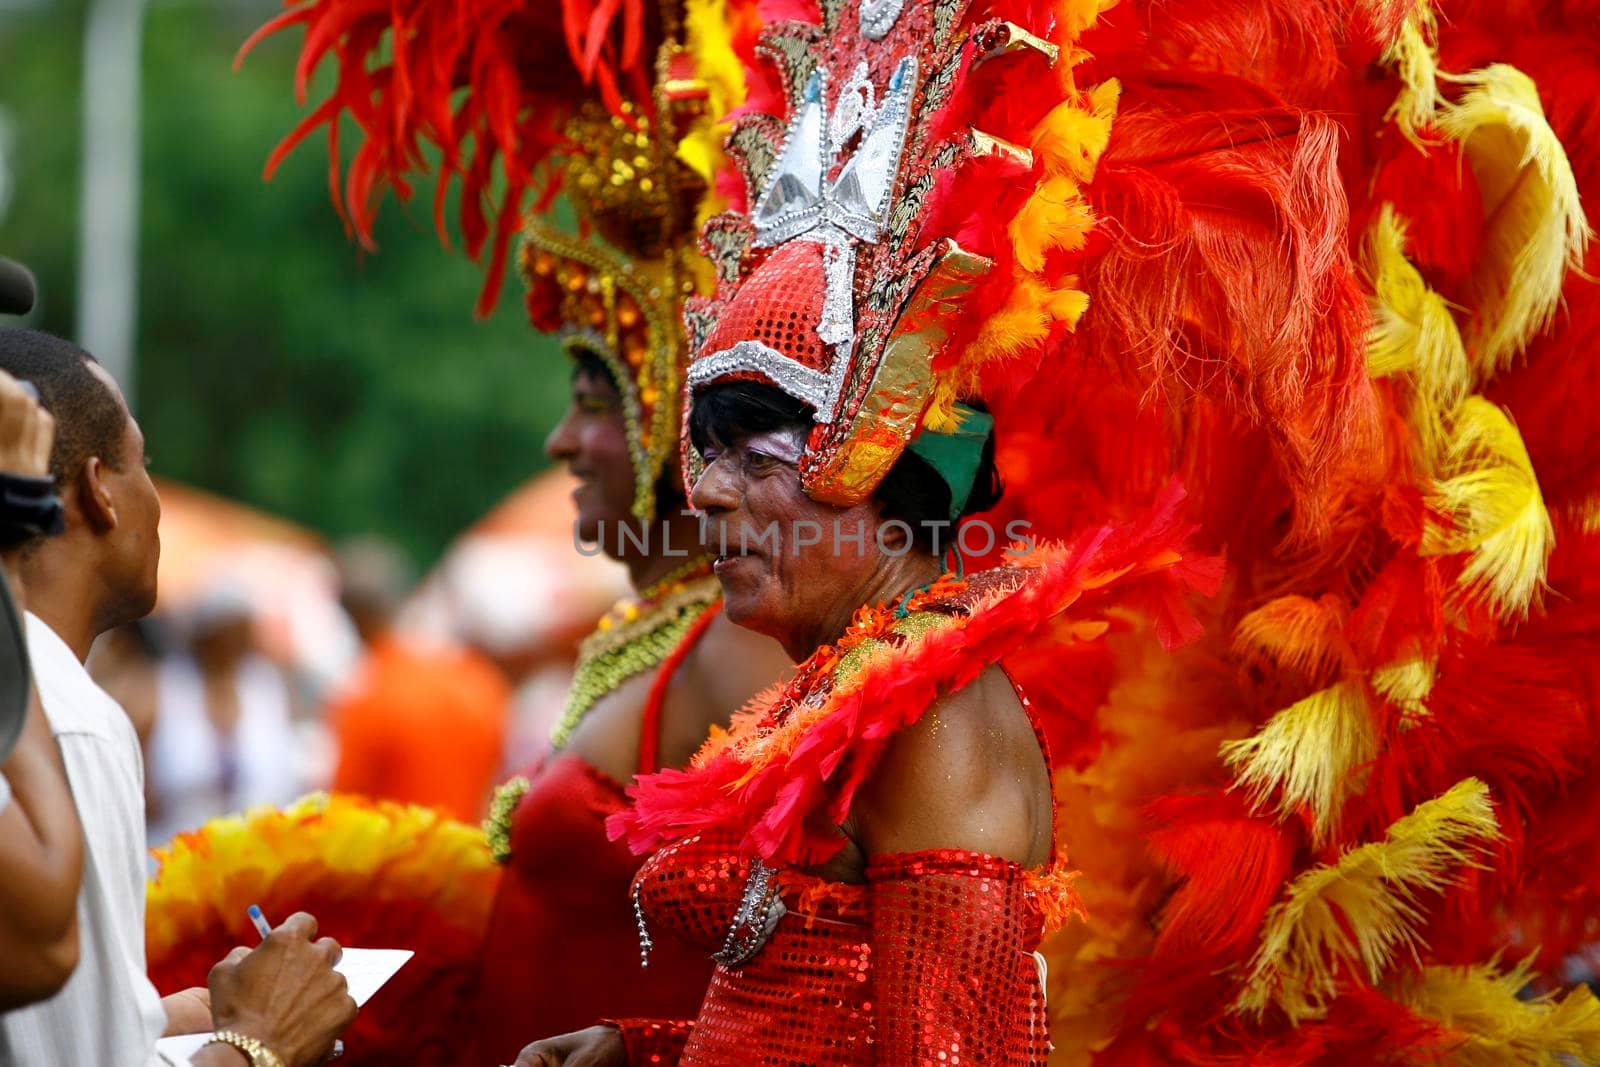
x: 930, y: 962
x: 779, y: 307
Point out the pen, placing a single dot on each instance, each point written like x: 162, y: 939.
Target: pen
x: 259, y: 921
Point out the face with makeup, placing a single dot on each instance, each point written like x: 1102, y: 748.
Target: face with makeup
x: 592, y: 440
x: 791, y: 567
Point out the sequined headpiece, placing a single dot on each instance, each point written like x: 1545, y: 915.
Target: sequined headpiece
x: 616, y: 292
x: 854, y: 281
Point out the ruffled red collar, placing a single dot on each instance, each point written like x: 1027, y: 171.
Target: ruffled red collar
x: 782, y: 778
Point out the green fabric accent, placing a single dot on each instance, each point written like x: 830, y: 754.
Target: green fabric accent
x: 956, y: 455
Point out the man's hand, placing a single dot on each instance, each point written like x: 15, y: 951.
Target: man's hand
x: 26, y: 431
x: 598, y: 1046
x: 284, y: 993
x: 188, y: 1011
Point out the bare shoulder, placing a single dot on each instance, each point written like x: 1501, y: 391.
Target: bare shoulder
x: 730, y: 664
x: 607, y: 737
x: 727, y: 666
x: 968, y: 774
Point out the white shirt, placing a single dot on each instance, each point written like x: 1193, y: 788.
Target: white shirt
x: 108, y: 1014
x: 195, y: 772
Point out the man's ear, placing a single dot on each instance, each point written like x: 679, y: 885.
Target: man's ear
x: 94, y: 496
x: 891, y: 536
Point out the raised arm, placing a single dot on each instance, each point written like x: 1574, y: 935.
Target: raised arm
x: 41, y: 843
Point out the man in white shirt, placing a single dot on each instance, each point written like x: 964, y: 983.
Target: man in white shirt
x: 282, y: 1003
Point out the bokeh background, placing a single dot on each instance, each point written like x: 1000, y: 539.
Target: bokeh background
x: 274, y: 361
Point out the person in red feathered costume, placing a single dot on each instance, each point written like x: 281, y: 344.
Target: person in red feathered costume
x: 871, y: 855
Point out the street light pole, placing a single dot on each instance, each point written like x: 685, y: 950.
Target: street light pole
x: 108, y: 235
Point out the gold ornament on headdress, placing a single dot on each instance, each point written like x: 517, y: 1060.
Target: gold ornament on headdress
x: 616, y: 291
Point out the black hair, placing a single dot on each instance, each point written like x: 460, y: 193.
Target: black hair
x: 731, y: 410
x: 89, y: 419
x: 586, y: 363
x: 912, y: 491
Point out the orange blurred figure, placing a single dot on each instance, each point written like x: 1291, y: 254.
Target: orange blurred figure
x: 420, y: 722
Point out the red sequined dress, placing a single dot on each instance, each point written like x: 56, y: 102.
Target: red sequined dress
x: 561, y: 948
x: 931, y: 959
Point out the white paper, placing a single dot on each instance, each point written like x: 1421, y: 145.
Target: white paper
x: 367, y: 969
x: 364, y: 969
x: 177, y: 1050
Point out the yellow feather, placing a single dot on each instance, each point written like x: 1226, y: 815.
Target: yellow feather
x: 1070, y: 139
x: 1362, y: 909
x: 1066, y: 304
x: 1412, y: 55
x: 379, y: 849
x: 1534, y: 226
x: 709, y: 38
x: 1056, y: 216
x: 1031, y: 310
x: 1295, y: 633
x: 1480, y: 1004
x: 1307, y: 753
x: 1491, y: 491
x: 1406, y: 684
x: 1586, y: 514
x: 1412, y: 328
x: 1075, y: 16
x: 941, y: 416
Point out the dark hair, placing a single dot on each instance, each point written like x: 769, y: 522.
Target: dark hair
x: 912, y: 491
x: 731, y: 410
x: 586, y: 363
x: 89, y: 419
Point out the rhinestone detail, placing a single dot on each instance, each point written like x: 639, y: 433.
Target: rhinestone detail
x: 879, y: 16
x: 760, y: 910
x: 799, y: 381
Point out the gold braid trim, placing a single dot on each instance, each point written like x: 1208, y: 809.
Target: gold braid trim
x: 635, y: 635
x: 497, y: 827
x: 644, y: 636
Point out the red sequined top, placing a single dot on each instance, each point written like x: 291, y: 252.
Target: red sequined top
x: 562, y: 948
x: 930, y: 961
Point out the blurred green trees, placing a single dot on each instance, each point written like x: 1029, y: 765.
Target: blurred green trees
x: 277, y: 363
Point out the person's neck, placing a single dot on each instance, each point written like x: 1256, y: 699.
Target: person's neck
x: 675, y: 543
x: 60, y: 591
x: 897, y: 576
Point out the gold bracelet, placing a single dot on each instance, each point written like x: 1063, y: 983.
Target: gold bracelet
x: 260, y: 1055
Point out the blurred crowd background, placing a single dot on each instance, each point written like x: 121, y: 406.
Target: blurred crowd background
x: 365, y: 557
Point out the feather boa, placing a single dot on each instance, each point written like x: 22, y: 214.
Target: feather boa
x: 785, y: 792
x: 375, y: 874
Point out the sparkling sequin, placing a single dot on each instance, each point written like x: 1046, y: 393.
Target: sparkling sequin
x: 939, y: 969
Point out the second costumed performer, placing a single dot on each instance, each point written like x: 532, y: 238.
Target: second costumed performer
x: 664, y: 665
